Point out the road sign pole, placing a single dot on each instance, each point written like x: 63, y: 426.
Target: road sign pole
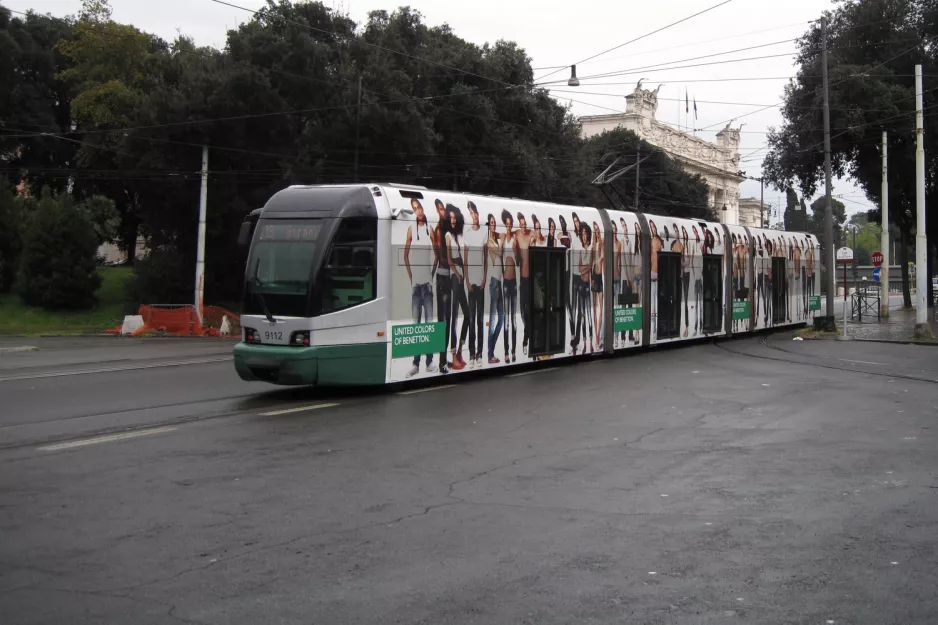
x: 845, y: 300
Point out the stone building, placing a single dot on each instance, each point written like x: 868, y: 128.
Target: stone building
x: 750, y: 212
x: 717, y: 163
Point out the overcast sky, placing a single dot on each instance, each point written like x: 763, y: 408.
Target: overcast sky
x: 560, y: 33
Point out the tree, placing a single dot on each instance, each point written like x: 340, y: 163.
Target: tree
x: 34, y: 100
x: 874, y: 45
x: 10, y: 233
x: 58, y: 269
x: 664, y: 188
x: 816, y: 223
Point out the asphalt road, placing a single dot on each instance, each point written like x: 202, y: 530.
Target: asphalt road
x: 748, y: 481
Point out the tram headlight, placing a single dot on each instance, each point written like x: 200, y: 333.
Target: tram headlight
x: 251, y: 336
x: 300, y: 339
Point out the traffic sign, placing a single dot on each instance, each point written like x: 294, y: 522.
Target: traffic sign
x: 845, y: 255
x: 876, y: 258
x: 877, y: 272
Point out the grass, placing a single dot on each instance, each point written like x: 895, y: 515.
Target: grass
x: 17, y: 318
x: 811, y: 333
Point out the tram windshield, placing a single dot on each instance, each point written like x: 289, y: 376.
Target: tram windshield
x: 310, y: 267
x: 280, y: 266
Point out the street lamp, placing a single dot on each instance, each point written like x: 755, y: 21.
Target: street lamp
x: 574, y: 81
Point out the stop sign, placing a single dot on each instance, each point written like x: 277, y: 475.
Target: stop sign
x: 877, y: 258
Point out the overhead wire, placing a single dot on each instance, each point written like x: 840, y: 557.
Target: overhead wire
x: 645, y: 36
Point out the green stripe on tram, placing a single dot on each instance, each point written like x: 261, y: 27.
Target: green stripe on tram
x: 361, y: 364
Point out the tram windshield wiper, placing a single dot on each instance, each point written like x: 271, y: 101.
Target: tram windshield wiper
x: 256, y: 282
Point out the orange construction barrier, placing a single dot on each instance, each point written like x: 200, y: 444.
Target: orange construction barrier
x: 182, y: 320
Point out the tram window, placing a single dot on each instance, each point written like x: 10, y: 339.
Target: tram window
x: 349, y: 276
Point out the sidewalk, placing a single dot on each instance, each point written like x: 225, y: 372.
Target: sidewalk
x: 899, y: 326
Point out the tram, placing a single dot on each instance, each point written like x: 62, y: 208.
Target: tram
x: 371, y: 284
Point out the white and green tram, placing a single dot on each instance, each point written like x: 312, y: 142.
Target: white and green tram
x: 371, y: 284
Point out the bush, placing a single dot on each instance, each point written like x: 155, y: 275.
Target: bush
x: 163, y: 277
x: 10, y: 234
x: 57, y: 269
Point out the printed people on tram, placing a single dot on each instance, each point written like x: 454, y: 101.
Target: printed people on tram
x: 596, y: 284
x: 551, y: 232
x: 769, y: 292
x: 616, y: 272
x: 493, y: 269
x: 566, y: 242
x: 538, y: 239
x: 760, y: 280
x: 635, y: 258
x: 421, y: 299
x: 790, y: 283
x: 698, y: 281
x: 524, y: 238
x: 564, y: 235
x: 575, y: 244
x: 444, y: 293
x: 687, y: 265
x: 510, y: 259
x: 677, y: 246
x: 657, y: 245
x: 584, y: 270
x: 787, y: 253
x: 734, y: 253
x: 809, y: 269
x: 799, y: 276
x: 457, y: 267
x: 475, y: 239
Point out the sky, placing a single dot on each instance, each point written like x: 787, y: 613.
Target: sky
x: 557, y: 34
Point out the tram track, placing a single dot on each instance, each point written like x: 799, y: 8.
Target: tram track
x: 764, y: 341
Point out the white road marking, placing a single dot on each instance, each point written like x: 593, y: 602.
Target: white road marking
x: 516, y: 375
x: 424, y: 390
x: 863, y: 362
x: 297, y: 409
x: 59, y: 374
x: 106, y: 439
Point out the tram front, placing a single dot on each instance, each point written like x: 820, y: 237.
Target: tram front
x: 312, y: 310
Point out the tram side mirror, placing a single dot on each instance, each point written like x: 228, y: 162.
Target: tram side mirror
x: 244, y: 235
x: 397, y: 212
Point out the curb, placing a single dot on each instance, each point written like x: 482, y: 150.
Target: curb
x: 18, y: 350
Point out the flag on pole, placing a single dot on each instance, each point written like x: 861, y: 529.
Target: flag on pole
x: 686, y: 102
x: 695, y: 108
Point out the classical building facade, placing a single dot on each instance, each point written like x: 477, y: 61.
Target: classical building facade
x: 717, y: 163
x: 750, y: 212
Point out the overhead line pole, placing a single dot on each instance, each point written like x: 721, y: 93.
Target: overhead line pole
x: 921, y: 239
x: 200, y: 250
x: 828, y: 320
x: 884, y: 238
x: 638, y: 161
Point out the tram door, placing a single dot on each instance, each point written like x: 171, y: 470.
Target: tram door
x: 548, y: 303
x: 712, y: 293
x: 669, y: 295
x: 779, y: 291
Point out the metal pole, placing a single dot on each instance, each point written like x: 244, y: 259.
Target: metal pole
x: 921, y: 240
x: 200, y: 253
x: 884, y: 240
x: 845, y: 300
x: 638, y: 161
x: 358, y: 115
x: 828, y: 217
x: 762, y: 202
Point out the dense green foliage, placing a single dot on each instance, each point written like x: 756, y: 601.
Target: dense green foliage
x: 278, y: 106
x: 58, y: 268
x: 874, y: 46
x: 10, y: 225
